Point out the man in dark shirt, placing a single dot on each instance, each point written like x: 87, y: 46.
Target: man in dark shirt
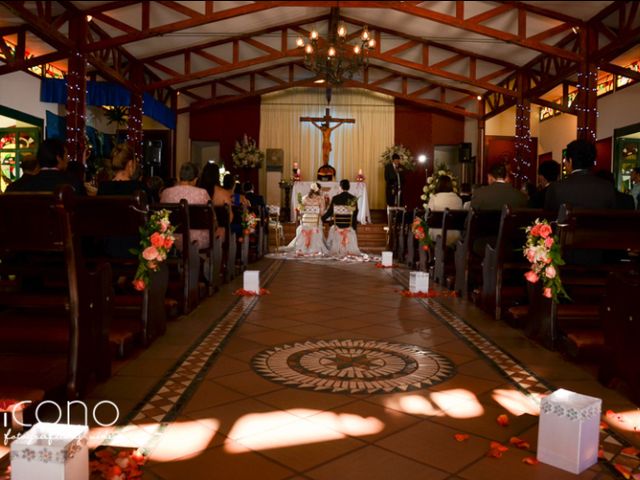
x: 548, y: 172
x: 52, y: 155
x: 344, y: 198
x: 581, y: 189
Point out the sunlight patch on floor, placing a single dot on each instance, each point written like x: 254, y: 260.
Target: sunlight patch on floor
x: 257, y: 432
x: 458, y: 403
x: 516, y: 402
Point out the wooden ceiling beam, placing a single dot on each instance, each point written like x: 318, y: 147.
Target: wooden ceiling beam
x: 618, y: 70
x: 471, y: 26
x: 25, y: 63
x: 201, y: 19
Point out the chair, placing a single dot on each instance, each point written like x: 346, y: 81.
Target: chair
x: 342, y: 239
x: 275, y: 225
x: 309, y: 240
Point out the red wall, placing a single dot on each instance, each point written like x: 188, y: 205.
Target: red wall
x: 419, y: 129
x: 227, y: 124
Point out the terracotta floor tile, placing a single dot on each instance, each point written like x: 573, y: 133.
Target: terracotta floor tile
x: 435, y: 445
x: 208, y: 395
x: 301, y: 445
x: 247, y: 383
x: 375, y: 463
x: 217, y: 462
x: 226, y: 365
x: 364, y: 420
x: 304, y: 403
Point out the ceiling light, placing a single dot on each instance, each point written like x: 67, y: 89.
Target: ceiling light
x: 335, y: 60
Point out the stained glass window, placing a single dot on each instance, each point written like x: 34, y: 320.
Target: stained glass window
x: 14, y: 144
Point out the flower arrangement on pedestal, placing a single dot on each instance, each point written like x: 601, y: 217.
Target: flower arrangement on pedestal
x: 543, y: 252
x: 432, y: 181
x: 246, y: 154
x: 420, y: 231
x: 156, y: 239
x: 406, y: 158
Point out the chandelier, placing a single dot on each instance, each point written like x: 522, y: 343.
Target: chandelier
x: 336, y: 60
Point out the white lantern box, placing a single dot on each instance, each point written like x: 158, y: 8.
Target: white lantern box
x: 252, y: 281
x: 418, y: 282
x: 52, y: 451
x: 387, y: 259
x: 569, y: 430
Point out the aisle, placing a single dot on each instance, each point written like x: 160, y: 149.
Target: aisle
x: 336, y: 375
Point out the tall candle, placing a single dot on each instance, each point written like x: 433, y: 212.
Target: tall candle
x: 295, y: 165
x: 298, y: 171
x: 360, y: 172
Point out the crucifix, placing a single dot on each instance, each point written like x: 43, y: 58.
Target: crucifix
x: 326, y: 130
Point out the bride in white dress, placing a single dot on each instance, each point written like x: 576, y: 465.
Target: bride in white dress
x: 309, y: 239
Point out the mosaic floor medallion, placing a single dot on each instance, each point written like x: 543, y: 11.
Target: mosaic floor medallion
x: 353, y: 366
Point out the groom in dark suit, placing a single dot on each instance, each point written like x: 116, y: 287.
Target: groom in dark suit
x: 581, y: 188
x: 344, y: 198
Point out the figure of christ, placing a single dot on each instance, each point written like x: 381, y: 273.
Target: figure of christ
x: 324, y: 124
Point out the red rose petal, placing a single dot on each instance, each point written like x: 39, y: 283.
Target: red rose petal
x: 530, y: 460
x: 503, y: 420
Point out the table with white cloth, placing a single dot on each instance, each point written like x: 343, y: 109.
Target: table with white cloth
x: 359, y: 189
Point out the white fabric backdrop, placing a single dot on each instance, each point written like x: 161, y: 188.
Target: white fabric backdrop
x: 354, y: 146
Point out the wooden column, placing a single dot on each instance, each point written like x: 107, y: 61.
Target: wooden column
x: 134, y: 132
x: 76, y: 91
x: 587, y: 98
x: 479, y: 173
x: 522, y: 142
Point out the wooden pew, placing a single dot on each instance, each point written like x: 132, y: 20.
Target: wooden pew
x: 594, y: 244
x: 444, y: 265
x: 621, y: 329
x: 51, y: 306
x: 504, y: 265
x: 480, y: 227
x: 107, y: 225
x: 185, y: 265
x: 203, y: 217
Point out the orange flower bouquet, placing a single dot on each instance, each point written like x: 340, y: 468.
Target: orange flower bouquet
x: 420, y: 232
x: 543, y: 252
x: 156, y: 240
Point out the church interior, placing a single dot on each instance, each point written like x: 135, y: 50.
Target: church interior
x: 321, y: 316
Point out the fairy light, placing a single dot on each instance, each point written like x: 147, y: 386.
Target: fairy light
x: 76, y: 118
x: 587, y: 85
x: 523, y: 142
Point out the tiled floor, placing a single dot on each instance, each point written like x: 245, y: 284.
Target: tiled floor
x: 196, y: 402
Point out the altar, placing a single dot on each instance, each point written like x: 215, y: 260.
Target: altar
x: 330, y: 189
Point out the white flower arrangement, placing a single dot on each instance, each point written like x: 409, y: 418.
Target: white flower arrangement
x: 246, y: 154
x: 432, y: 181
x: 406, y: 158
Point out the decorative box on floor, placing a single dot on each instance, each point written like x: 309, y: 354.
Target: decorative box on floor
x: 52, y: 451
x: 387, y: 259
x: 252, y: 281
x: 569, y: 430
x: 418, y: 282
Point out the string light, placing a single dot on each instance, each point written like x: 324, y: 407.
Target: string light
x: 523, y: 142
x: 76, y: 118
x: 587, y: 85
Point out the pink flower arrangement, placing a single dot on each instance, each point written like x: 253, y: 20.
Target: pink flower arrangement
x: 156, y: 239
x: 542, y: 251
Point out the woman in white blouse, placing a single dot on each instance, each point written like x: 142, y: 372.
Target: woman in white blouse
x: 444, y: 197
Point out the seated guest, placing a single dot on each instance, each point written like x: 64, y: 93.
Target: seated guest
x: 343, y: 198
x: 126, y: 171
x: 210, y: 181
x: 624, y: 201
x: 465, y: 192
x: 254, y: 199
x: 581, y: 189
x: 548, y: 172
x: 125, y: 182
x: 498, y: 193
x: 444, y: 197
x: 635, y: 185
x: 154, y: 185
x: 187, y: 189
x: 52, y: 159
x: 29, y: 167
